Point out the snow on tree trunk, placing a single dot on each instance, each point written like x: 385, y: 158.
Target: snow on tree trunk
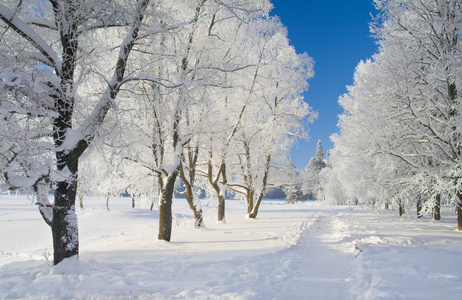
x: 165, y: 208
x: 45, y: 207
x: 419, y: 208
x: 64, y: 225
x: 253, y: 214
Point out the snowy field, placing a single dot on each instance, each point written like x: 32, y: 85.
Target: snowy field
x: 299, y: 251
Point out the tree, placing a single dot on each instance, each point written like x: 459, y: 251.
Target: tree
x: 275, y: 110
x: 73, y: 28
x: 167, y: 133
x: 311, y: 175
x: 405, y: 105
x: 293, y: 185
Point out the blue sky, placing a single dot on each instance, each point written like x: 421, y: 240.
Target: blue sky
x: 336, y: 35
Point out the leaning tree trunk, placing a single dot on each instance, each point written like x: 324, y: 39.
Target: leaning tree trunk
x: 165, y: 208
x: 253, y: 214
x: 192, y: 200
x: 198, y: 218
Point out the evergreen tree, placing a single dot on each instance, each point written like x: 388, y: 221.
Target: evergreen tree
x: 311, y: 184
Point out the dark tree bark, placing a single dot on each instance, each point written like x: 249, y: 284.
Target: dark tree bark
x: 214, y: 183
x: 198, y: 218
x: 419, y: 208
x: 436, y: 208
x: 459, y: 217
x: 165, y: 208
x: 188, y: 179
x: 64, y: 224
x: 401, y: 210
x: 459, y: 211
x: 107, y: 202
x: 68, y: 19
x: 249, y: 195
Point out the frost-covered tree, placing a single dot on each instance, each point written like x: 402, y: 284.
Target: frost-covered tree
x: 404, y: 109
x: 78, y: 56
x: 311, y: 184
x: 293, y: 184
x: 168, y: 133
x: 275, y: 111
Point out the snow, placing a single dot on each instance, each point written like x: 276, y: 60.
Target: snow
x: 291, y: 251
x: 23, y: 29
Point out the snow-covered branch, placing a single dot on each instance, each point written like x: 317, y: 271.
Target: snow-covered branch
x: 7, y: 16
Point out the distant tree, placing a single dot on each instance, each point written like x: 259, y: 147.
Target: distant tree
x: 312, y: 183
x: 293, y: 186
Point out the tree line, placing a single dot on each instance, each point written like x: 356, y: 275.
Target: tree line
x: 400, y: 134
x: 128, y: 96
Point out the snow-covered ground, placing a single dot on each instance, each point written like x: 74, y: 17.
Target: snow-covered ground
x: 300, y: 251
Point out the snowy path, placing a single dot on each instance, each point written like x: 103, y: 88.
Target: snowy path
x: 302, y: 271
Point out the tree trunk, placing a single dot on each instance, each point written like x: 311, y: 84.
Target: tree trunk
x: 436, y: 208
x: 401, y: 209
x: 195, y: 207
x: 81, y: 203
x: 198, y: 219
x: 253, y: 214
x: 249, y: 195
x: 221, y: 208
x: 459, y: 211
x: 64, y: 224
x: 459, y: 217
x: 165, y: 208
x: 107, y: 202
x: 214, y: 183
x: 133, y: 202
x: 419, y: 208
